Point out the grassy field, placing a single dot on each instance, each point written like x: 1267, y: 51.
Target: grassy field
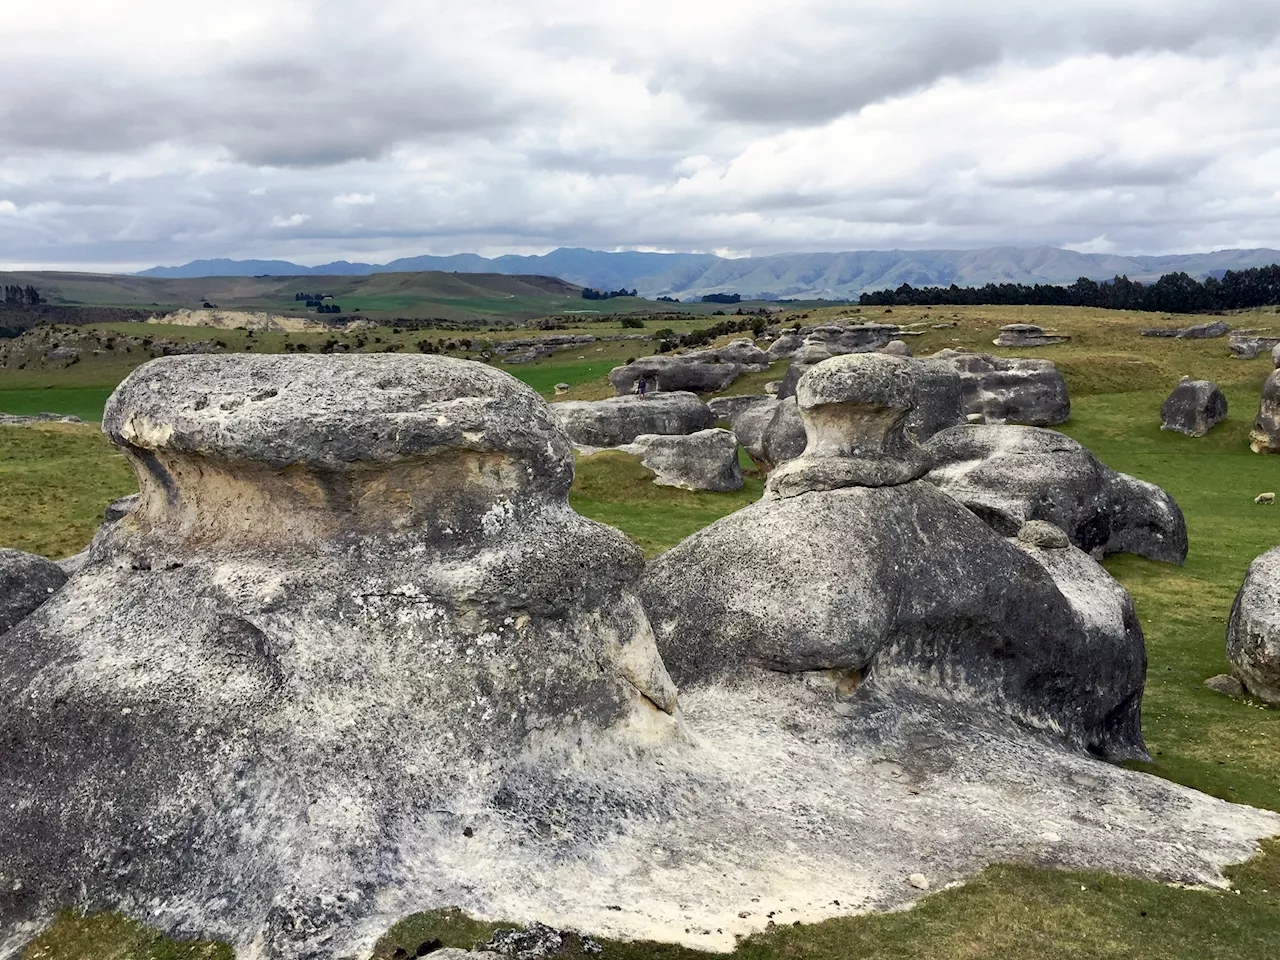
x: 1229, y: 748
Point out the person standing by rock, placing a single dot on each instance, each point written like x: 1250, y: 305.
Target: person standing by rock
x: 641, y: 385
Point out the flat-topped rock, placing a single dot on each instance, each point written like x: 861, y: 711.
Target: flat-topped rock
x: 1026, y: 335
x: 1198, y: 331
x: 1194, y: 407
x: 619, y: 420
x: 1010, y: 389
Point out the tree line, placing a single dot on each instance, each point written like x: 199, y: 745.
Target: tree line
x: 18, y: 296
x: 1172, y: 293
x: 589, y: 293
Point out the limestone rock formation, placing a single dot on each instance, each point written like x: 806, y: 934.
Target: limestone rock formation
x: 1199, y: 331
x: 1010, y: 390
x: 749, y: 417
x: 1265, y: 435
x: 1008, y: 475
x: 1194, y: 407
x: 1244, y: 346
x: 784, y: 437
x: 618, y: 420
x: 706, y: 460
x: 1026, y: 335
x: 784, y: 346
x: 26, y: 582
x: 1275, y: 355
x: 897, y: 348
x: 918, y: 601
x: 351, y: 586
x: 742, y: 351
x: 1253, y: 630
x: 699, y: 373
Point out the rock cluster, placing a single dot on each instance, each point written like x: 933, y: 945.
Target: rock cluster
x: 1026, y: 335
x: 699, y: 371
x: 1245, y: 346
x: 1008, y: 475
x: 923, y: 602
x: 1194, y: 407
x: 619, y: 420
x: 1253, y: 630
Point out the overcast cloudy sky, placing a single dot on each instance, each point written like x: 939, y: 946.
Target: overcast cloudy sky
x: 136, y: 132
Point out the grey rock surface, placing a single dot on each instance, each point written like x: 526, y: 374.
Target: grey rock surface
x: 665, y: 373
x: 1008, y: 475
x: 1265, y: 435
x: 26, y: 582
x: 749, y: 417
x: 784, y: 346
x: 119, y: 509
x: 742, y: 351
x: 1253, y: 630
x: 1245, y: 346
x: 1275, y: 355
x: 618, y: 420
x: 1225, y: 683
x: 784, y: 437
x: 1194, y: 407
x: 1043, y: 534
x: 706, y: 460
x: 1198, y: 331
x: 21, y: 420
x: 1010, y: 389
x: 897, y: 348
x: 1026, y: 335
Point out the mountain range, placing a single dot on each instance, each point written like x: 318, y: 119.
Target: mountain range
x: 830, y: 276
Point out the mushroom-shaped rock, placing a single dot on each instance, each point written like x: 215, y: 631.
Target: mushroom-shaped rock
x: 698, y: 374
x: 352, y: 598
x: 1253, y: 631
x: 1008, y: 475
x: 1194, y: 407
x: 26, y: 582
x: 706, y: 460
x: 1010, y: 389
x: 858, y: 569
x: 618, y: 420
x: 1265, y: 435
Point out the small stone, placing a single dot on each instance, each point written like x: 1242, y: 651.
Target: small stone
x: 1225, y: 683
x: 919, y: 881
x: 561, y: 389
x: 975, y: 418
x: 1043, y: 534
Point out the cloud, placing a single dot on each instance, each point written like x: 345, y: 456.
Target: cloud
x: 139, y: 132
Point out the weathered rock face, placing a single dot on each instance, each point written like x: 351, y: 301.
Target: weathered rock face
x: 351, y: 592
x: 1253, y: 631
x: 1265, y: 435
x: 749, y: 418
x: 742, y: 351
x: 784, y: 346
x: 1244, y: 346
x: 1026, y: 335
x: 1008, y: 475
x: 1199, y: 331
x: 1275, y: 355
x: 1194, y: 407
x: 1010, y: 390
x: 618, y: 420
x: 26, y: 582
x: 897, y: 348
x: 697, y: 373
x: 784, y: 438
x: 706, y: 460
x: 920, y: 599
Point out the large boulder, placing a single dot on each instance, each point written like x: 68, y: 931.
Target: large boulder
x: 749, y: 417
x: 26, y: 582
x: 784, y: 346
x: 917, y: 602
x: 1010, y: 390
x: 618, y: 420
x: 1008, y: 475
x: 1265, y: 435
x: 742, y: 351
x: 1253, y: 631
x: 1026, y: 335
x: 706, y: 460
x: 1244, y: 346
x: 704, y: 373
x: 784, y: 437
x: 1198, y: 331
x: 1194, y: 407
x: 351, y: 599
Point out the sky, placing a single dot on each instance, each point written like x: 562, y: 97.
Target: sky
x: 136, y: 133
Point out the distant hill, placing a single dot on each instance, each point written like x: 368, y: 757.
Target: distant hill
x: 783, y: 276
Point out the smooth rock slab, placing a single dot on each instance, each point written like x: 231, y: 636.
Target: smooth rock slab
x: 706, y: 460
x: 619, y: 420
x: 1194, y: 407
x: 1253, y: 630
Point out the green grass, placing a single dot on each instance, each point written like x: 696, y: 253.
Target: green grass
x: 109, y: 936
x: 83, y: 402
